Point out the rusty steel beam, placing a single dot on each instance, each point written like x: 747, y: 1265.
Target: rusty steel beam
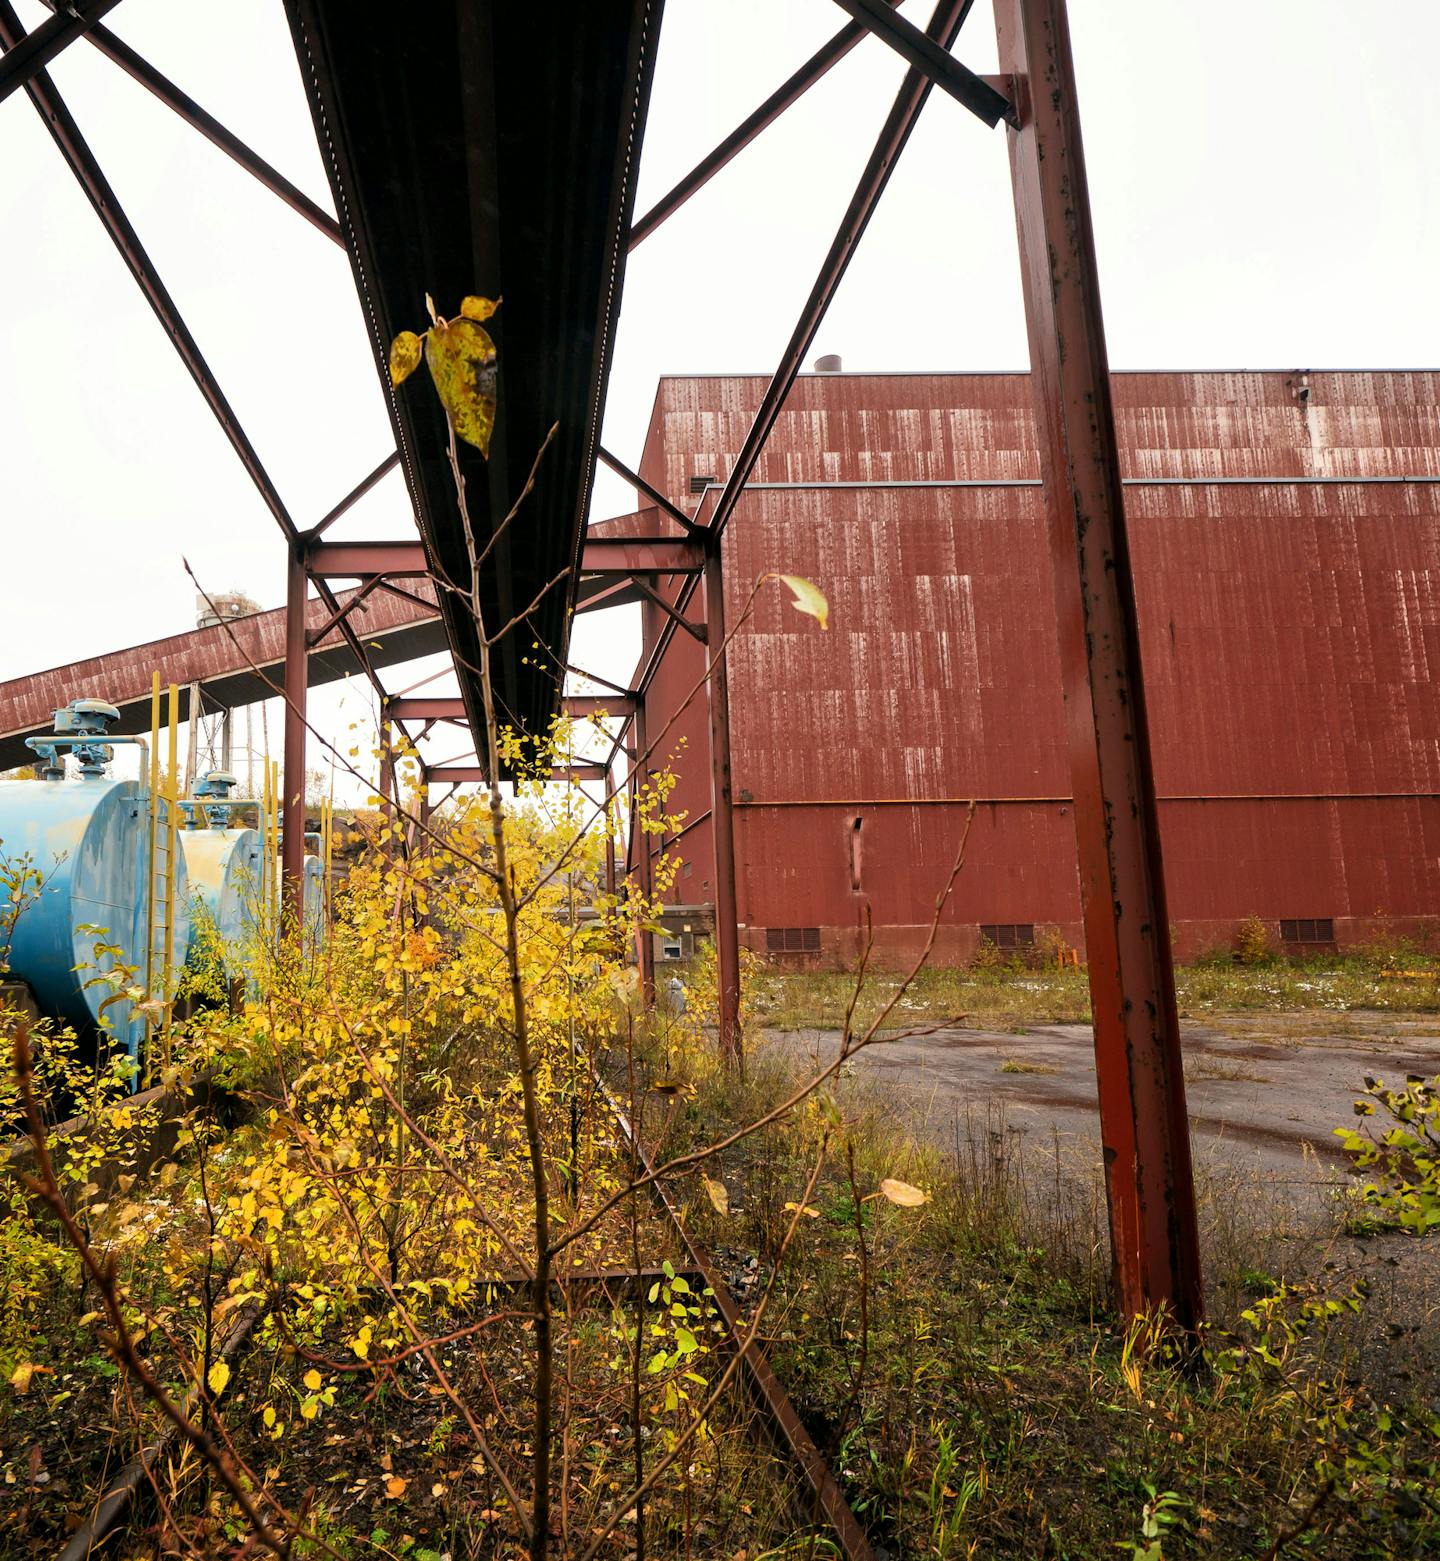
x: 637, y: 482
x: 292, y: 803
x: 579, y: 706
x: 640, y: 556
x: 354, y: 496
x: 1143, y: 1122
x: 25, y: 58
x: 342, y: 611
x: 594, y: 677
x: 694, y: 630
x: 426, y: 708
x: 924, y: 54
x: 138, y: 68
x: 76, y: 152
x: 914, y: 91
x: 722, y: 812
x: 644, y: 861
x: 359, y: 560
x: 463, y: 773
x: 605, y: 591
x: 825, y: 57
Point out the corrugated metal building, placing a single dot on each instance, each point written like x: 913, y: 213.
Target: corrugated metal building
x: 1286, y: 538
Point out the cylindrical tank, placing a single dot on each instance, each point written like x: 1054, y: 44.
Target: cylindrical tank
x: 225, y: 867
x: 313, y: 903
x: 89, y: 842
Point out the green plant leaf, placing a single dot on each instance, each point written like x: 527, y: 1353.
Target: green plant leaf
x: 405, y: 353
x: 808, y: 598
x: 903, y: 1194
x: 461, y: 356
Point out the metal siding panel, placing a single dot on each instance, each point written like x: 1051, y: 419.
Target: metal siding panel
x: 1290, y: 634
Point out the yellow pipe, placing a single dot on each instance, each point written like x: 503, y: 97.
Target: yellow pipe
x: 151, y: 782
x: 172, y: 851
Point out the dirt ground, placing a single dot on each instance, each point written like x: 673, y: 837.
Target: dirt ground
x: 1265, y: 1090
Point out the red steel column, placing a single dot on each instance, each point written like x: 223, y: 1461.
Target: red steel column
x: 387, y: 786
x: 722, y: 817
x: 292, y: 805
x: 1143, y: 1123
x: 644, y: 863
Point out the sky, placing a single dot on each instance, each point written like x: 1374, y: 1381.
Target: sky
x: 1264, y: 190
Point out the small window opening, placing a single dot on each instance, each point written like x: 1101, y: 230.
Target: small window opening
x: 792, y: 940
x: 1009, y: 936
x: 1307, y: 931
x: 699, y: 483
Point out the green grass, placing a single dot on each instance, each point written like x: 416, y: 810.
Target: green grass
x: 1012, y: 997
x: 986, y: 1402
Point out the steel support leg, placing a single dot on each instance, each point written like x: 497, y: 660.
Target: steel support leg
x: 722, y: 816
x: 644, y: 862
x: 292, y: 807
x: 387, y: 787
x: 1143, y: 1123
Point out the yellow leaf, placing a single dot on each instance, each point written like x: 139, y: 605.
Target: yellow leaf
x: 719, y: 1195
x: 461, y: 356
x: 309, y: 1409
x: 20, y: 1377
x: 269, y: 1416
x: 361, y: 1343
x: 395, y: 1487
x: 903, y: 1194
x: 218, y: 1376
x: 404, y: 356
x: 313, y: 1380
x: 808, y: 598
x: 478, y: 308
x: 809, y: 1211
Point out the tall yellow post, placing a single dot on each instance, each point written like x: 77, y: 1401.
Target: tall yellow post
x: 151, y: 782
x: 172, y: 851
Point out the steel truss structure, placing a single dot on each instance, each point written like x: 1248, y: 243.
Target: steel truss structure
x: 1143, y: 1120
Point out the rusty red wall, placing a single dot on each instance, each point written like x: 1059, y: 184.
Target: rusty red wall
x: 1290, y: 634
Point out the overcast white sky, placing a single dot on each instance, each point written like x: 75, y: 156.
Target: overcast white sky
x: 1265, y: 196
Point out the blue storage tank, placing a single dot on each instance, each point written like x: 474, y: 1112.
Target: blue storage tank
x: 89, y: 841
x: 226, y: 869
x: 228, y: 876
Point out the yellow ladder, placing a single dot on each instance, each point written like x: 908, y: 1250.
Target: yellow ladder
x: 164, y: 850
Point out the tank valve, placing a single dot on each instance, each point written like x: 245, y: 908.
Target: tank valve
x: 217, y: 785
x: 79, y: 720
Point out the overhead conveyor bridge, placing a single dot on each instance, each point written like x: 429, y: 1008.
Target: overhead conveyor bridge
x: 238, y: 662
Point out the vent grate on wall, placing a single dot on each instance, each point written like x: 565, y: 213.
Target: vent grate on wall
x: 698, y: 484
x: 792, y: 940
x: 1307, y: 929
x: 1009, y: 936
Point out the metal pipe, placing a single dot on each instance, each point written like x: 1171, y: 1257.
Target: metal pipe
x: 944, y: 27
x: 292, y: 826
x: 1143, y: 1124
x: 722, y: 833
